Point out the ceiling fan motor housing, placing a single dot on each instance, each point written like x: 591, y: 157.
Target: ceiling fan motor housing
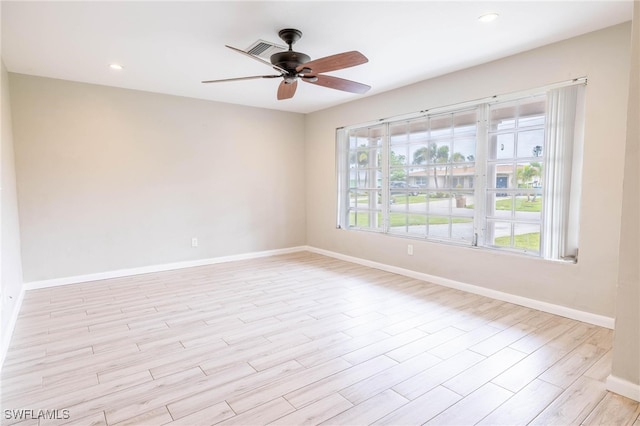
x: 289, y: 60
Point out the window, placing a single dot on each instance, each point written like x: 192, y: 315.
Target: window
x: 515, y: 163
x: 502, y: 174
x: 364, y: 154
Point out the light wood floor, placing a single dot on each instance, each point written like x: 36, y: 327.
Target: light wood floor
x: 301, y: 339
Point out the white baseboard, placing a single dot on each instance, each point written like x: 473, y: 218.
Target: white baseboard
x: 6, y: 337
x: 33, y: 285
x: 623, y: 387
x: 599, y: 320
x: 564, y: 311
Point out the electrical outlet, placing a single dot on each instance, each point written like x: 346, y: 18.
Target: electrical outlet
x: 410, y: 249
x: 194, y: 242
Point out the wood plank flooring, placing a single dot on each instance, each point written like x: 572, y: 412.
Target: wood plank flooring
x: 300, y: 339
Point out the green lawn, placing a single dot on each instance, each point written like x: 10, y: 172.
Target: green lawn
x: 400, y: 219
x: 403, y: 199
x: 522, y: 241
x: 522, y: 205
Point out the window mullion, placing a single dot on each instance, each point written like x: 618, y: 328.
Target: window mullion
x: 480, y: 186
x: 371, y: 179
x: 385, y: 166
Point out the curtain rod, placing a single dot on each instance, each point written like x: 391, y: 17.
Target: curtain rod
x: 473, y: 103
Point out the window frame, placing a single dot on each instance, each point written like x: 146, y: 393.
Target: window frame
x: 479, y: 186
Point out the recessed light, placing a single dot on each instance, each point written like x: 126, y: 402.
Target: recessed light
x: 115, y: 67
x: 488, y: 17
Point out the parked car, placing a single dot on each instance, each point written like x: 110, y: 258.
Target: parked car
x: 399, y: 187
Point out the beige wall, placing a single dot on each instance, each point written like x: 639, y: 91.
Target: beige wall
x: 113, y: 179
x: 626, y: 353
x: 603, y: 57
x: 10, y: 263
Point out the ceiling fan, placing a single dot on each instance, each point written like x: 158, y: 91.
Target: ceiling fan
x: 295, y: 65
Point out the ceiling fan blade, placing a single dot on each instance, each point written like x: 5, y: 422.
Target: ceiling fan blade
x: 334, y: 62
x: 242, y: 78
x: 275, y: 67
x: 338, y: 84
x: 287, y: 90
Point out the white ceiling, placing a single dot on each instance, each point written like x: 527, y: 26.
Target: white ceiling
x: 170, y: 47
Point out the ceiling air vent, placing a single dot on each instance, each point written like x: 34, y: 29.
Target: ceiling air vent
x: 264, y: 49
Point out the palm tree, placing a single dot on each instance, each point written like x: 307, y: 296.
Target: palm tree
x: 433, y: 154
x: 526, y: 174
x: 538, y: 167
x: 456, y: 157
x: 361, y: 157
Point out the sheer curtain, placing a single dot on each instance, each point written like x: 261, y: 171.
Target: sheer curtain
x: 563, y: 171
x: 342, y: 179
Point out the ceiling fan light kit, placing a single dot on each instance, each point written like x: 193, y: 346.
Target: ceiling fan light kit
x: 294, y: 65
